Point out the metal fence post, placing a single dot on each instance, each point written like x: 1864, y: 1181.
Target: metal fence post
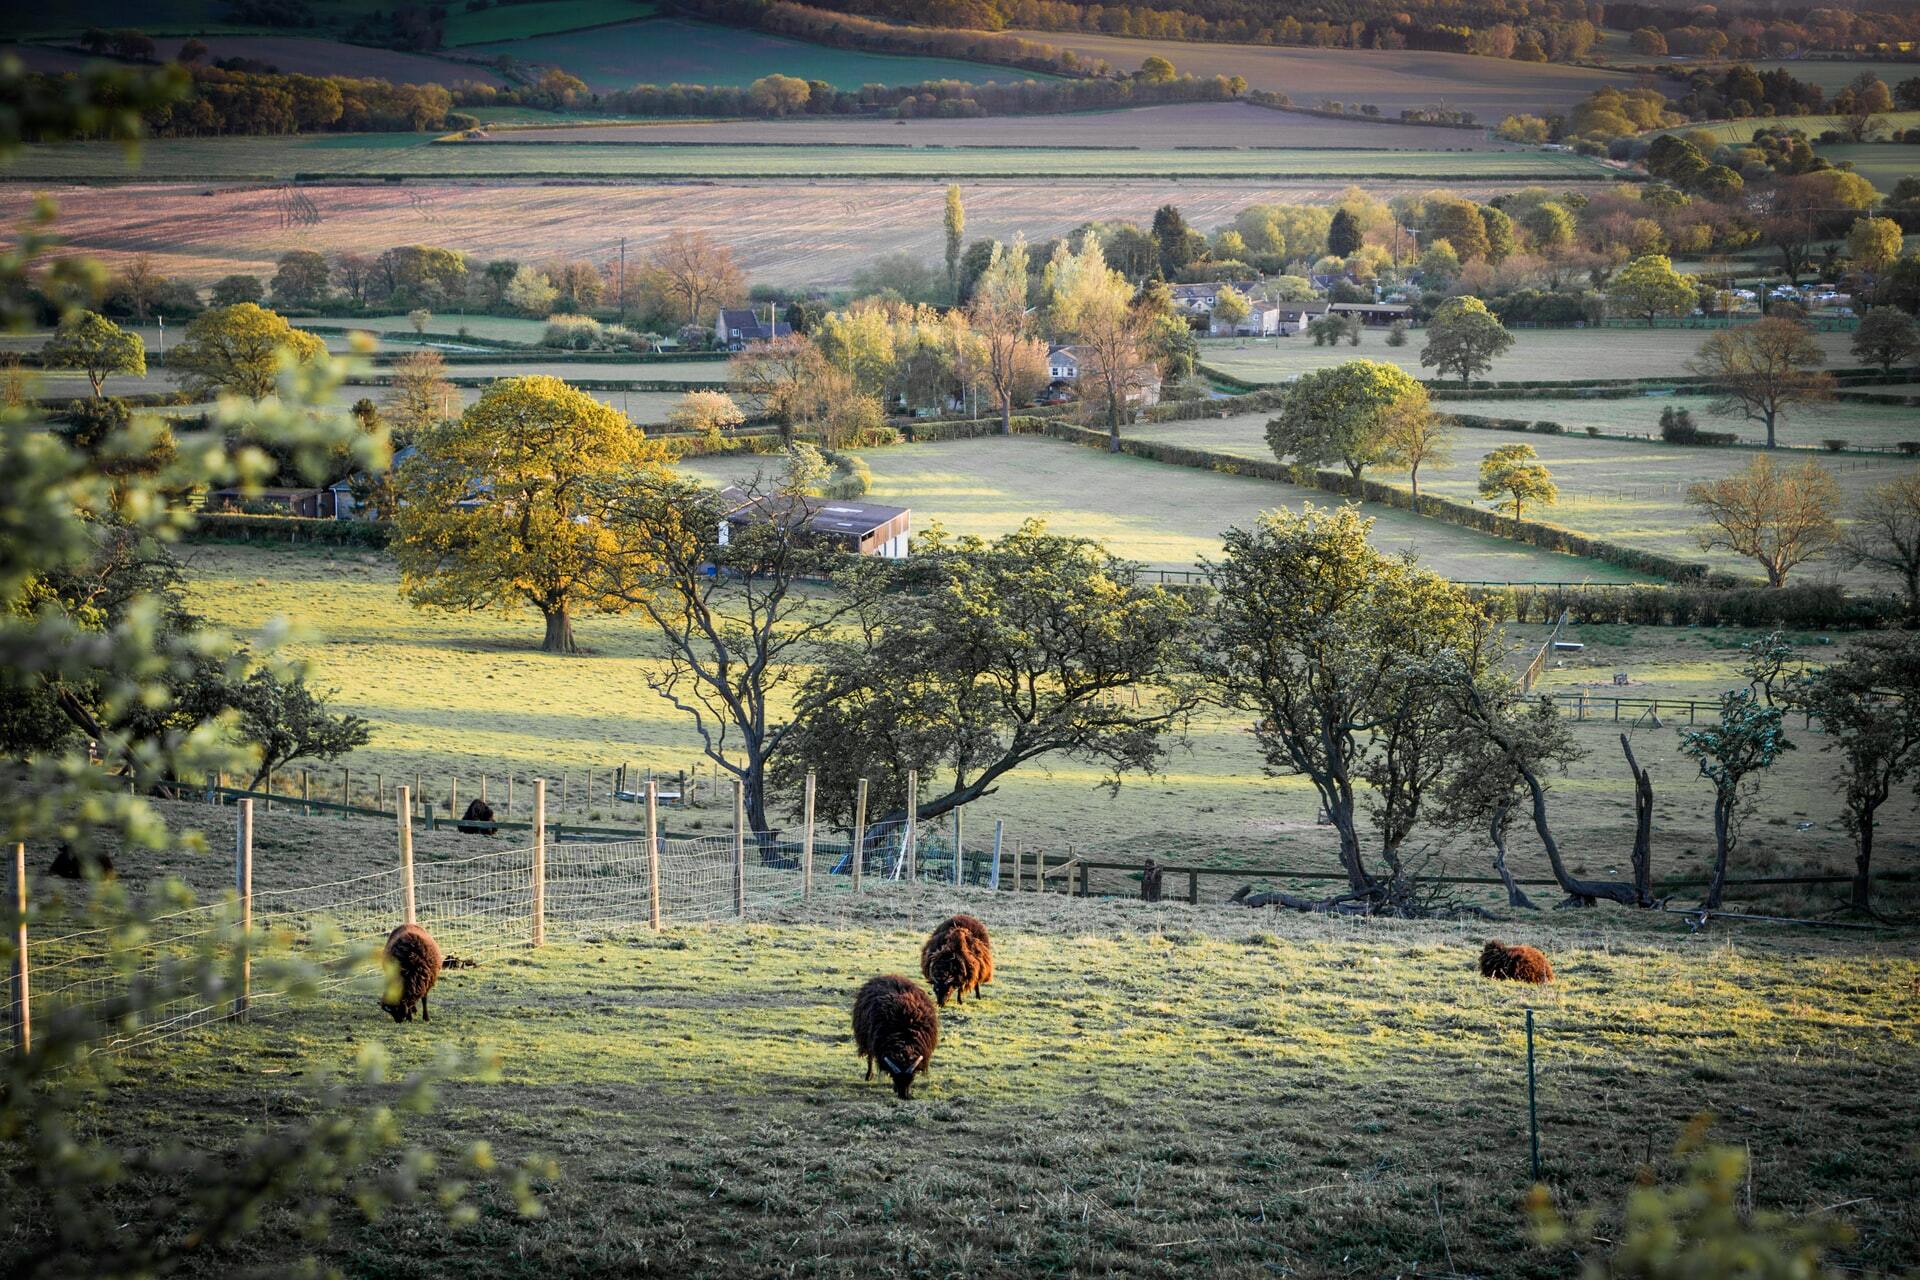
x: 739, y: 848
x: 539, y: 862
x: 653, y: 856
x: 1533, y: 1114
x: 958, y: 843
x: 243, y: 883
x: 403, y: 815
x: 999, y: 834
x: 912, y: 855
x: 806, y: 843
x: 23, y: 1029
x: 859, y: 853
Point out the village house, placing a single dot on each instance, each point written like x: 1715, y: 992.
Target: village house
x: 1196, y: 300
x: 862, y: 528
x: 1063, y: 365
x: 1294, y: 317
x: 736, y: 327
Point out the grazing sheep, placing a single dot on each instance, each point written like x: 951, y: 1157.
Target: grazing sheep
x: 69, y: 865
x: 957, y: 958
x: 1150, y: 878
x: 415, y: 958
x: 895, y: 1022
x: 1522, y: 964
x: 478, y: 819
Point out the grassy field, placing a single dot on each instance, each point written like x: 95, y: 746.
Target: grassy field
x: 1628, y: 491
x: 544, y: 17
x: 303, y: 55
x: 1148, y: 1090
x: 1740, y: 131
x: 507, y: 157
x: 1216, y: 124
x: 1857, y: 423
x: 1834, y: 74
x: 792, y: 233
x: 1389, y: 79
x: 1881, y: 163
x: 1536, y: 354
x: 667, y: 51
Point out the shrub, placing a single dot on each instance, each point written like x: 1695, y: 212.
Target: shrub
x: 1834, y: 445
x: 1593, y: 431
x: 1548, y: 428
x: 571, y: 333
x: 1910, y: 447
x: 1677, y: 426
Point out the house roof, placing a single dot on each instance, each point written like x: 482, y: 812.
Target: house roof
x: 750, y: 325
x: 822, y: 515
x: 1374, y: 308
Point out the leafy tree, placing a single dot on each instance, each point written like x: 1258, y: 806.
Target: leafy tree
x: 1873, y: 243
x: 97, y: 347
x: 1649, y: 286
x: 422, y: 396
x: 420, y: 318
x: 1457, y: 221
x: 1331, y: 647
x: 1778, y: 517
x: 1763, y: 369
x: 956, y: 228
x: 1887, y: 336
x: 286, y: 720
x: 788, y: 380
x: 779, y: 95
x: 240, y: 350
x: 1417, y: 437
x: 1341, y: 415
x: 1343, y: 234
x: 228, y: 290
x: 984, y: 658
x: 1884, y: 535
x: 1397, y: 334
x: 1501, y: 243
x: 1549, y: 226
x: 708, y: 414
x: 301, y: 280
x: 1157, y: 70
x: 530, y: 291
x: 1749, y: 737
x: 1174, y: 239
x: 1230, y: 306
x: 1513, y: 476
x: 699, y: 274
x: 495, y: 508
x: 1463, y: 337
x: 1092, y: 304
x: 1868, y: 706
x: 1013, y: 363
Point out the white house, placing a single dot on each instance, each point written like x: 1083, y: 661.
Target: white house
x: 1063, y: 364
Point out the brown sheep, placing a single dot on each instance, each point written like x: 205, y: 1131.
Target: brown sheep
x: 415, y: 960
x: 895, y: 1022
x: 1522, y: 964
x: 478, y: 819
x: 957, y: 958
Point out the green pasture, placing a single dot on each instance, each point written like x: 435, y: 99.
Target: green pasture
x: 666, y: 51
x: 407, y: 154
x: 1858, y: 423
x: 1881, y: 163
x: 1742, y: 131
x: 1542, y: 355
x: 1147, y: 1090
x: 498, y: 328
x: 1630, y: 491
x: 540, y: 18
x: 1835, y: 74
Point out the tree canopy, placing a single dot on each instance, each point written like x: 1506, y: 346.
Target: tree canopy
x: 239, y: 350
x: 1463, y: 337
x: 1341, y: 414
x: 96, y: 346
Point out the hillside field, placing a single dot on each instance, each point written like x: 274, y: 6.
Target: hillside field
x: 1389, y: 79
x: 788, y: 233
x: 1860, y: 424
x: 537, y: 18
x: 1146, y: 1091
x: 304, y: 55
x: 1630, y: 491
x: 667, y: 51
x: 1881, y: 163
x: 1536, y: 355
x: 1741, y: 131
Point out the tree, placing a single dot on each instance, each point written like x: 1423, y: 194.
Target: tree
x: 1549, y: 226
x: 1417, y: 437
x: 1649, y: 286
x: 240, y: 350
x: 1092, y: 304
x: 301, y: 280
x: 987, y: 657
x: 789, y: 380
x: 420, y: 318
x: 778, y: 95
x: 1501, y: 243
x: 228, y: 290
x: 1463, y: 337
x: 1761, y: 370
x: 1458, y: 222
x: 286, y: 720
x: 97, y: 347
x: 708, y: 414
x: 530, y: 292
x: 1873, y: 244
x: 1013, y: 364
x: 1157, y: 70
x: 1341, y: 415
x: 1513, y: 476
x: 1780, y: 518
x: 1174, y: 240
x: 422, y: 396
x: 1230, y: 306
x: 1887, y: 336
x: 1749, y: 737
x: 956, y: 228
x: 1331, y: 646
x: 1868, y: 706
x: 698, y: 273
x: 1884, y: 536
x: 191, y: 51
x: 1343, y: 234
x: 497, y: 506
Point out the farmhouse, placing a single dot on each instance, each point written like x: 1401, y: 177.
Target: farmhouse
x: 1263, y: 320
x: 1373, y: 314
x: 735, y: 327
x: 1196, y: 299
x: 1294, y: 317
x: 863, y: 528
x: 1063, y: 365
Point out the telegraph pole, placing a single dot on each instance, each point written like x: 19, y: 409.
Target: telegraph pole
x: 623, y: 279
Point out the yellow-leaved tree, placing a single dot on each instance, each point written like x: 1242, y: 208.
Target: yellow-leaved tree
x: 497, y: 508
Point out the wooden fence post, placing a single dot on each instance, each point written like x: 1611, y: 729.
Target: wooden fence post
x: 859, y: 854
x: 999, y: 832
x: 740, y: 849
x: 453, y: 797
x: 23, y: 1028
x: 306, y: 793
x: 380, y: 791
x: 912, y: 855
x: 653, y: 857
x: 509, y: 793
x: 243, y: 884
x: 806, y: 843
x: 957, y: 843
x: 346, y: 792
x: 1193, y: 887
x: 539, y: 862
x: 403, y: 815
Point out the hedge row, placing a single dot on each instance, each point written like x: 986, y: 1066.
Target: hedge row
x: 1533, y: 532
x: 225, y: 526
x: 1819, y: 605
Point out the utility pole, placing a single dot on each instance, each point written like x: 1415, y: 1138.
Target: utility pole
x: 623, y: 279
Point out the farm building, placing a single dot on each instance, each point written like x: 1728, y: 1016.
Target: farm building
x: 736, y: 327
x: 1294, y: 317
x: 1373, y: 314
x: 863, y: 528
x: 292, y: 502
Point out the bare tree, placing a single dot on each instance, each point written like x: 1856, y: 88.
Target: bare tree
x: 1778, y: 517
x: 1115, y: 367
x: 698, y: 272
x: 1013, y: 363
x: 1761, y: 370
x: 1884, y: 535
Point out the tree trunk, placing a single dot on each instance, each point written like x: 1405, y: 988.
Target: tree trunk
x: 1113, y: 425
x: 1497, y: 831
x: 1771, y: 415
x: 1863, y: 862
x: 1722, y: 836
x: 1006, y: 415
x: 1581, y: 892
x: 559, y: 631
x: 1642, y: 827
x: 1340, y: 811
x: 1414, y: 475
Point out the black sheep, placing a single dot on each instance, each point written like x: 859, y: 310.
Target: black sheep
x: 478, y: 819
x: 894, y: 1021
x: 415, y: 966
